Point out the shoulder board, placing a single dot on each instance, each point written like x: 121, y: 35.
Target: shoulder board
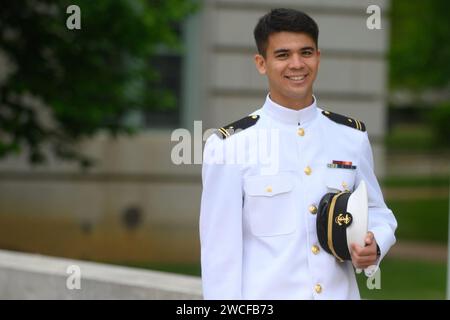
x: 244, y: 123
x: 346, y: 121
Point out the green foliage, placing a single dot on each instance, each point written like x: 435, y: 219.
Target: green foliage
x: 419, y: 128
x: 421, y: 219
x: 411, y: 138
x: 407, y: 279
x: 416, y: 181
x: 439, y: 119
x: 89, y: 79
x: 420, y: 44
x: 192, y: 269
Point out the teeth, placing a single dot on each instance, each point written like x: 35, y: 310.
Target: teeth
x: 297, y: 78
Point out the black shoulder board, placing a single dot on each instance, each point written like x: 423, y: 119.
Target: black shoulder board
x: 346, y: 121
x: 244, y: 123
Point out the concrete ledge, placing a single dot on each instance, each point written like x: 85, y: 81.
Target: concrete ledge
x: 30, y: 276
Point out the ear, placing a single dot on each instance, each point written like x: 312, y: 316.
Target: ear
x: 260, y: 63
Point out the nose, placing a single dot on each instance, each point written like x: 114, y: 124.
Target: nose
x: 296, y: 62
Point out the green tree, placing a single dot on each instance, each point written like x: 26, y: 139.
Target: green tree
x: 86, y: 80
x: 420, y: 44
x: 419, y: 59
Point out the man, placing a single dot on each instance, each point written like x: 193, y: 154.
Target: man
x: 258, y: 218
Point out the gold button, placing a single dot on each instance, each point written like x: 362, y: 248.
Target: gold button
x: 318, y: 288
x: 327, y: 112
x: 301, y: 132
x: 308, y: 170
x: 269, y: 189
x: 344, y: 185
x: 254, y: 117
x: 315, y: 249
x: 312, y: 209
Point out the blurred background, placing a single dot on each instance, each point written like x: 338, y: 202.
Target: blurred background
x: 86, y: 117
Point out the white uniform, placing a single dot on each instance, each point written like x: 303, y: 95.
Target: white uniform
x: 258, y: 217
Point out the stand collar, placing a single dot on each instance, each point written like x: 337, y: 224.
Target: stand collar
x: 288, y: 115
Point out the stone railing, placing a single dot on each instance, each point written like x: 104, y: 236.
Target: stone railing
x: 31, y: 276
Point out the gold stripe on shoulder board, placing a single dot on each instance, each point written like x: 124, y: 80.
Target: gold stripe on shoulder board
x: 224, y: 132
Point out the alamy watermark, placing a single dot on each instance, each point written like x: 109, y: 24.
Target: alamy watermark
x: 74, y: 20
x: 73, y: 281
x: 260, y: 146
x: 374, y: 20
x: 373, y: 280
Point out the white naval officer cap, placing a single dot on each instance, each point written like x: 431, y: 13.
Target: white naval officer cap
x: 342, y: 219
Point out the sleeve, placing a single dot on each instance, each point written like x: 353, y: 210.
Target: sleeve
x: 381, y: 219
x: 220, y: 224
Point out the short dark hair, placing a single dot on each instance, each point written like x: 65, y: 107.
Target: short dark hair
x: 281, y: 19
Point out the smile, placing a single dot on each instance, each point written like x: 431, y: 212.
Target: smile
x: 297, y: 78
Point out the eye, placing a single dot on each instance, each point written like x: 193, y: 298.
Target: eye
x: 307, y: 53
x: 282, y: 55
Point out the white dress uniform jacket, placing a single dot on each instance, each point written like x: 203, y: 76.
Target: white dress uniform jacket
x: 258, y: 213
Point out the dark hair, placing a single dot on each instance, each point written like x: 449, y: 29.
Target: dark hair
x: 281, y: 19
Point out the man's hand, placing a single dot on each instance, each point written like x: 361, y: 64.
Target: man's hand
x: 362, y: 257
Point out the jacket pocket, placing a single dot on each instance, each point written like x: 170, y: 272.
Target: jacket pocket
x: 340, y: 179
x: 270, y: 205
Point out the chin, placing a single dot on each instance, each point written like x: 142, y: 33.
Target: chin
x: 298, y: 95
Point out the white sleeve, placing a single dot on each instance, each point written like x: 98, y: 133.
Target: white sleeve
x: 220, y: 225
x: 381, y: 219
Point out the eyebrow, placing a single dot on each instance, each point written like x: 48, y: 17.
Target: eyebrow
x: 283, y: 50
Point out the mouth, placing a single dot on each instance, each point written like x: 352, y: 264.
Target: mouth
x: 297, y: 78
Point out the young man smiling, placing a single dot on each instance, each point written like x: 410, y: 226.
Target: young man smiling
x: 290, y: 61
x: 258, y: 229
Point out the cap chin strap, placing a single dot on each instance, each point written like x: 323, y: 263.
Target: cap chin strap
x: 330, y: 225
